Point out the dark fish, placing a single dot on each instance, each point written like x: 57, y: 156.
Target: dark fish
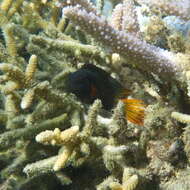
x: 90, y: 83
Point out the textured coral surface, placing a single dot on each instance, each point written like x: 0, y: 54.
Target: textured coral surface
x: 49, y: 139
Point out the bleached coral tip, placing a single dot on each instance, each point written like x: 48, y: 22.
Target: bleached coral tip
x: 23, y: 105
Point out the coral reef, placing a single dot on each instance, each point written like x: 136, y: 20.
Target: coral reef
x: 49, y: 139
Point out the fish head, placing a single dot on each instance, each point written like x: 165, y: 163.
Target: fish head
x: 79, y: 84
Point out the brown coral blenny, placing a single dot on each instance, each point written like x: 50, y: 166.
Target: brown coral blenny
x: 90, y: 83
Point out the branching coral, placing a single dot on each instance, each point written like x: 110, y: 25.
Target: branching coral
x: 129, y: 181
x: 7, y: 139
x: 173, y: 7
x: 124, y: 18
x: 183, y: 118
x: 67, y: 138
x: 71, y: 140
x: 18, y: 78
x: 140, y: 53
x: 48, y: 139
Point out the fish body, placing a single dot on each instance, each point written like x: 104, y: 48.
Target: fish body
x: 90, y: 83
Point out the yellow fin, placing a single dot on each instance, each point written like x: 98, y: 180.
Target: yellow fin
x: 134, y: 110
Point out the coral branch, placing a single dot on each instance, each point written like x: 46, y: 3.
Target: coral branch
x: 13, y: 72
x: 183, y: 118
x: 124, y: 18
x: 91, y: 121
x: 172, y: 7
x: 145, y: 56
x: 116, y: 20
x: 31, y: 69
x: 5, y: 5
x: 40, y: 167
x: 57, y: 137
x: 80, y: 3
x: 73, y: 47
x: 8, y: 138
x: 129, y: 181
x: 63, y: 158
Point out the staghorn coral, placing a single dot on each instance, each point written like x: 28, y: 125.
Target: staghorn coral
x: 173, y: 7
x: 138, y: 52
x: 183, y: 118
x: 80, y: 149
x: 129, y: 181
x: 17, y: 77
x: 67, y: 138
x: 71, y: 140
x: 124, y: 18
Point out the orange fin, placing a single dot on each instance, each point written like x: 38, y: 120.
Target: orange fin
x: 134, y: 110
x: 124, y: 93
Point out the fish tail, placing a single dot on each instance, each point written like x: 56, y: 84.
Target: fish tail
x: 134, y: 110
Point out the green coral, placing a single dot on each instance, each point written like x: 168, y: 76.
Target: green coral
x: 48, y: 139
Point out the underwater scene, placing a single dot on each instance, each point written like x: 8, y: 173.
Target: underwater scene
x: 94, y: 94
